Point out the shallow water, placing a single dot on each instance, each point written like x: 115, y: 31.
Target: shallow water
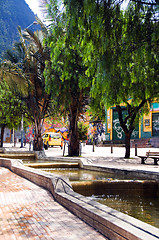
x: 83, y: 175
x: 144, y: 208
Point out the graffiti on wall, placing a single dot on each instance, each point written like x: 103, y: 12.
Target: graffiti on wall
x: 96, y: 132
x: 48, y: 125
x: 155, y: 124
x: 118, y: 131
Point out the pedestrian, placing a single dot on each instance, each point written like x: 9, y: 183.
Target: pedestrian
x: 30, y: 141
x: 24, y: 140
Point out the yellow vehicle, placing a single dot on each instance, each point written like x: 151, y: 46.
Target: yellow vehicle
x: 51, y: 139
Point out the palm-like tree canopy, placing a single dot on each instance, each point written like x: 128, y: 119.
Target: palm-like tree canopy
x: 24, y: 67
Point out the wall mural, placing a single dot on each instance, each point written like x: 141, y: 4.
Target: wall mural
x: 118, y: 133
x: 49, y: 125
x: 96, y: 132
x: 118, y: 129
x: 135, y: 134
x: 155, y: 124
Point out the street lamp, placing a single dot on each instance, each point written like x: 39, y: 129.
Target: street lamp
x: 22, y: 127
x: 35, y: 22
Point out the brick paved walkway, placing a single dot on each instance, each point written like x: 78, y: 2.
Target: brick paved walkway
x: 29, y: 212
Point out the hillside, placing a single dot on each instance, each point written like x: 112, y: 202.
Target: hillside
x: 13, y: 13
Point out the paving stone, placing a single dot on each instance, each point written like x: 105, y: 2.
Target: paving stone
x: 30, y: 212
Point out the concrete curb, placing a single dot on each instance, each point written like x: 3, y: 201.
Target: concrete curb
x: 145, y: 174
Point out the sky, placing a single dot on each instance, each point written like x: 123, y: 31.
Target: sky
x: 34, y: 5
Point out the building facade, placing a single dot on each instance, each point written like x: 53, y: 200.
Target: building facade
x: 148, y: 126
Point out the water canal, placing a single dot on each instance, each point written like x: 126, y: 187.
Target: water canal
x: 135, y: 197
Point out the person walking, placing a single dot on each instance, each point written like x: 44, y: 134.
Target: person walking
x: 30, y: 141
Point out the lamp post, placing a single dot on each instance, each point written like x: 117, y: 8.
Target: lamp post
x: 22, y: 128
x: 35, y: 22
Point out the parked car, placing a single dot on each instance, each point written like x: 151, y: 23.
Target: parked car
x: 51, y: 139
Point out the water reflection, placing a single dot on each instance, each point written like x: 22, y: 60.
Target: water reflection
x: 145, y: 209
x: 83, y: 175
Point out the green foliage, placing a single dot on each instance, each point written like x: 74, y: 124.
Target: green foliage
x: 11, y: 107
x: 119, y: 50
x: 123, y: 47
x: 139, y: 55
x: 96, y: 109
x: 66, y: 76
x: 24, y: 68
x: 82, y: 131
x: 67, y: 69
x: 65, y: 48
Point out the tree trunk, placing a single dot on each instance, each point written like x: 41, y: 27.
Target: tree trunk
x: 127, y: 145
x: 73, y: 148
x: 127, y: 128
x: 38, y: 141
x: 2, y: 134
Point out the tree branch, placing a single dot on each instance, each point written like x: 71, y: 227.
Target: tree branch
x: 146, y: 3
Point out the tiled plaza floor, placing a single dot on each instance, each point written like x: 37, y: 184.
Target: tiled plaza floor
x: 30, y: 212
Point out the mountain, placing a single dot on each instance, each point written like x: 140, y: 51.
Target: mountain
x: 13, y: 13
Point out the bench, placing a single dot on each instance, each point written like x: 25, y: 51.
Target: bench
x: 153, y: 155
